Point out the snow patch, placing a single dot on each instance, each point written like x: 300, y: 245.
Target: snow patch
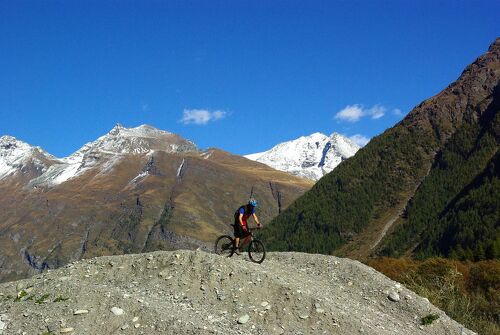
x: 179, y: 170
x: 256, y: 156
x: 206, y: 154
x: 140, y: 176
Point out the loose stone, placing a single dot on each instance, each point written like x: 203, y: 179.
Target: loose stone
x: 117, y: 311
x: 393, y: 296
x: 244, y: 319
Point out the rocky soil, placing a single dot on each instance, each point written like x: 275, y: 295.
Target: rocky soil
x: 194, y: 292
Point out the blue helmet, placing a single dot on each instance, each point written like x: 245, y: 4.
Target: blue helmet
x: 252, y: 202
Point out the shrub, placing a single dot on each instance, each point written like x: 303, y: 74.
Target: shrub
x: 427, y: 320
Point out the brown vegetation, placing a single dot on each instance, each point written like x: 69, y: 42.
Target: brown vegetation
x: 468, y: 292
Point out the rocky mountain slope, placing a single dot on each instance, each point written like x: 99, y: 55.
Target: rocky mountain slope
x: 132, y: 190
x: 109, y: 149
x: 310, y: 156
x: 411, y: 186
x: 23, y: 160
x: 193, y: 292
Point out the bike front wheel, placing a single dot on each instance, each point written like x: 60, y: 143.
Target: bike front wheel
x: 224, y: 246
x: 256, y: 251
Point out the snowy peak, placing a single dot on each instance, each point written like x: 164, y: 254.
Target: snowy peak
x: 310, y: 156
x: 16, y: 155
x: 144, y: 130
x: 109, y: 149
x: 139, y: 140
x: 101, y: 154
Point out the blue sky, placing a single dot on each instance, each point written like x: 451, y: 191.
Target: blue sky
x: 237, y: 75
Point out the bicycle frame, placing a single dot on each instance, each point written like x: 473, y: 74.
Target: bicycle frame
x: 246, y: 241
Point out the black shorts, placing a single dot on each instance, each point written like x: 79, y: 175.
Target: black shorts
x: 238, y: 230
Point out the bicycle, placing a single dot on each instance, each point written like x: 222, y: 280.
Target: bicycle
x: 225, y: 245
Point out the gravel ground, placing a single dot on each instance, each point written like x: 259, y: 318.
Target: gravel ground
x: 194, y: 292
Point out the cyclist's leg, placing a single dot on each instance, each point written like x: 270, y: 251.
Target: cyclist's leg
x: 237, y: 234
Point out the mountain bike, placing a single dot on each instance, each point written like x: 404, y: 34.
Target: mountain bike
x: 225, y: 245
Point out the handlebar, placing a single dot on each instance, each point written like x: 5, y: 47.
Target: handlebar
x: 253, y: 228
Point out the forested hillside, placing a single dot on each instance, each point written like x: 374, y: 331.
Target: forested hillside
x: 430, y: 182
x: 456, y: 211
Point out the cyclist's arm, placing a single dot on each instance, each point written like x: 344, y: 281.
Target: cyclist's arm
x: 256, y: 219
x: 241, y: 219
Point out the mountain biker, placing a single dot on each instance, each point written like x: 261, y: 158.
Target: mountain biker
x: 240, y: 221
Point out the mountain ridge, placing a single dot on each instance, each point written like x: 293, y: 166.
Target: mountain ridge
x: 118, y: 141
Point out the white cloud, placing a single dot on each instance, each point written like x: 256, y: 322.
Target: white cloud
x: 201, y: 116
x: 376, y: 111
x: 351, y: 113
x: 397, y: 111
x: 359, y: 139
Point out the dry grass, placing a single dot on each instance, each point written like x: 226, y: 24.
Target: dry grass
x: 467, y: 292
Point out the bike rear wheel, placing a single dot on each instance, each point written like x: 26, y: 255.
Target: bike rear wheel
x: 224, y: 246
x: 256, y: 251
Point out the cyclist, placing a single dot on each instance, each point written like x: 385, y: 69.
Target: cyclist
x: 240, y: 221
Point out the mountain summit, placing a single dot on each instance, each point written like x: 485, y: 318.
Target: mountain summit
x: 139, y: 140
x: 111, y: 148
x: 310, y: 156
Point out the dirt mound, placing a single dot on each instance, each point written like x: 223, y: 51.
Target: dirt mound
x: 193, y: 292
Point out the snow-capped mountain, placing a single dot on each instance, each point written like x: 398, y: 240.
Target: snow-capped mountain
x: 109, y: 149
x: 139, y: 140
x: 310, y: 156
x: 104, y: 152
x: 18, y: 156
